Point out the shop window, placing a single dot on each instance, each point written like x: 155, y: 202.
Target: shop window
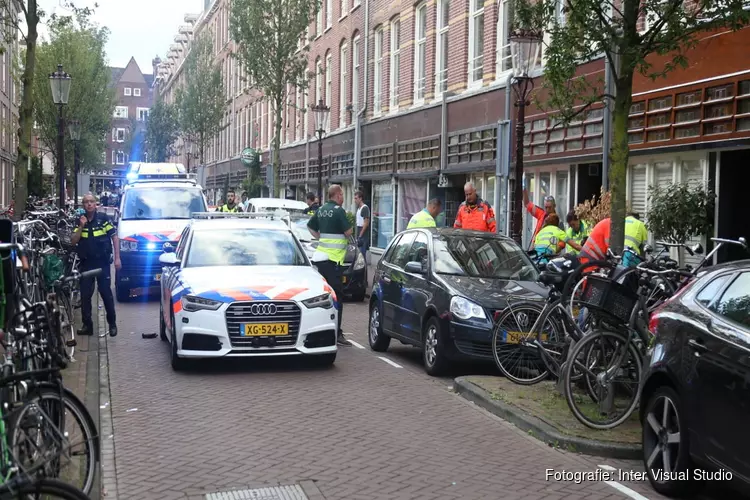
x: 382, y: 214
x: 413, y: 196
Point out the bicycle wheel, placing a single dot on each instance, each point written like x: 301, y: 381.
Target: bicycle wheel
x: 67, y: 323
x: 516, y: 357
x: 604, y: 397
x: 41, y: 489
x: 38, y: 443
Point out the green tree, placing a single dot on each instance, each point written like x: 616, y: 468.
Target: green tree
x: 253, y: 184
x: 582, y: 30
x: 77, y: 44
x: 201, y: 102
x: 267, y: 35
x: 36, y: 178
x: 680, y: 211
x: 162, y: 131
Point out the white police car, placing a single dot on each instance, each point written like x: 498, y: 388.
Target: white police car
x: 240, y: 285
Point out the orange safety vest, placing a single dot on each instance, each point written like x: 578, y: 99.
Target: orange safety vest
x: 480, y: 217
x: 539, y: 214
x: 597, y: 244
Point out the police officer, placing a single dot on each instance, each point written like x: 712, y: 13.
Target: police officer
x: 230, y: 205
x: 95, y: 239
x: 332, y: 229
x: 312, y: 205
x: 426, y: 217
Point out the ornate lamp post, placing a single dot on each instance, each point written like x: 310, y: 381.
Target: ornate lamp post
x: 74, y: 127
x: 320, y: 113
x: 60, y: 84
x: 524, y: 46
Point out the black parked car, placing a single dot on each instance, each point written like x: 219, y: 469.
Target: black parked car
x: 439, y: 289
x: 695, y: 401
x: 354, y: 269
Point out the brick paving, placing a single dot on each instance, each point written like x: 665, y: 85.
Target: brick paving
x: 362, y: 430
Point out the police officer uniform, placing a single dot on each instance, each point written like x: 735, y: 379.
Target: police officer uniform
x: 312, y: 209
x: 225, y: 208
x: 331, y: 222
x: 95, y: 251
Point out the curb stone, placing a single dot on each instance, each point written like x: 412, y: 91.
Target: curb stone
x: 542, y: 430
x: 108, y: 476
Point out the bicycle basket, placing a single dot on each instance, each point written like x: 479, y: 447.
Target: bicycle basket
x: 53, y: 269
x: 604, y: 296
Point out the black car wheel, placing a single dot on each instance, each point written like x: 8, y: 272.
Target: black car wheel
x: 433, y: 354
x: 378, y: 340
x: 665, y: 443
x: 162, y: 325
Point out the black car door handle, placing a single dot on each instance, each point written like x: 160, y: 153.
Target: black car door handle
x: 698, y: 346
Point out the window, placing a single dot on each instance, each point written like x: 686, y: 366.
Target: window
x: 401, y: 253
x: 121, y: 112
x: 150, y: 203
x: 377, y: 97
x: 319, y: 21
x: 142, y: 114
x: 120, y: 158
x: 343, y: 74
x: 329, y: 13
x: 344, y: 8
x: 441, y: 47
x: 395, y: 62
x: 419, y: 250
x: 318, y: 82
x: 304, y: 115
x: 137, y: 92
x: 734, y: 304
x: 355, y: 73
x: 420, y: 52
x: 503, y: 57
x: 482, y: 257
x: 244, y: 247
x: 329, y: 92
x: 128, y: 91
x: 120, y: 135
x: 356, y: 3
x: 711, y: 291
x: 476, y: 42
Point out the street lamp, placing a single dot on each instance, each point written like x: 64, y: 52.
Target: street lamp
x: 320, y: 113
x: 60, y: 84
x: 74, y: 127
x: 524, y: 46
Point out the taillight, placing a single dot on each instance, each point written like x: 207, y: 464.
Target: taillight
x: 653, y: 320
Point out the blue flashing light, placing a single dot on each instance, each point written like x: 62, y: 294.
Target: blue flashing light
x: 151, y: 246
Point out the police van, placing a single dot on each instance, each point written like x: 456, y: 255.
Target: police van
x: 156, y: 205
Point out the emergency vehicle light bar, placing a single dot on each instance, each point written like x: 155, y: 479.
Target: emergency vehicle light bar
x: 277, y: 215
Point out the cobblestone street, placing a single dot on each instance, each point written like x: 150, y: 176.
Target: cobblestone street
x: 372, y: 427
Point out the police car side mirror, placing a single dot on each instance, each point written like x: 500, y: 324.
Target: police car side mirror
x: 167, y: 247
x: 169, y: 259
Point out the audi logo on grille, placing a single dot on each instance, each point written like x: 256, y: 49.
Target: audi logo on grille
x: 263, y: 309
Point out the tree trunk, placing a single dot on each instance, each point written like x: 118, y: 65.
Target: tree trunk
x: 279, y: 99
x: 26, y: 111
x: 619, y: 158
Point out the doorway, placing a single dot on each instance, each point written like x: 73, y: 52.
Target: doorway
x: 732, y: 186
x: 451, y: 196
x: 589, y: 182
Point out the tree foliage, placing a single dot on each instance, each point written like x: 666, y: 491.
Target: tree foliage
x: 253, y: 184
x: 201, y: 101
x: 680, y: 211
x: 162, y: 131
x: 633, y: 34
x: 267, y: 35
x: 77, y: 44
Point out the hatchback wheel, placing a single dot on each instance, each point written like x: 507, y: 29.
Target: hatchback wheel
x: 433, y: 352
x: 665, y: 444
x: 378, y: 340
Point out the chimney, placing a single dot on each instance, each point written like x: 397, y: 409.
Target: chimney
x: 155, y: 65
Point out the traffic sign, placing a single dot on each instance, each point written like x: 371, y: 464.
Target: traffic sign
x: 247, y: 156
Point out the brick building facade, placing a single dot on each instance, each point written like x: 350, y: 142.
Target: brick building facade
x: 439, y: 113
x: 125, y: 141
x: 8, y: 111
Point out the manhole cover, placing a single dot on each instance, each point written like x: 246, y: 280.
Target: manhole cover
x: 288, y: 492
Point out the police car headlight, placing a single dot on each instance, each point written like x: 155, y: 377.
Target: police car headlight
x: 359, y: 263
x: 128, y: 246
x: 324, y: 300
x: 466, y: 309
x: 191, y: 303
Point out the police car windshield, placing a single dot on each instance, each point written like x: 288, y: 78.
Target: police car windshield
x: 150, y: 203
x: 482, y: 257
x: 244, y: 247
x: 299, y: 226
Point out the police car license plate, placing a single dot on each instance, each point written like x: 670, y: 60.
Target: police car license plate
x: 157, y: 277
x: 264, y: 329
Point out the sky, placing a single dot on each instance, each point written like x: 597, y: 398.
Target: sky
x: 138, y: 28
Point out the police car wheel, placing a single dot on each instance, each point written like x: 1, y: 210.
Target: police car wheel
x: 162, y: 325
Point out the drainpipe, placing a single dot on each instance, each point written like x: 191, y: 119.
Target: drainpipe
x: 501, y: 175
x: 607, y: 128
x: 359, y: 118
x: 307, y: 164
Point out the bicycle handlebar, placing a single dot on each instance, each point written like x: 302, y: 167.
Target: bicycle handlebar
x: 740, y: 241
x: 23, y: 376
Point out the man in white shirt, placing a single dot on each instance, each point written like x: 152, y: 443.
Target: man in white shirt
x: 362, y: 221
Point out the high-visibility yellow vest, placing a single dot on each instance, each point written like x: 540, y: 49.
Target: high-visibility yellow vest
x: 576, y: 237
x: 331, y: 216
x: 636, y: 233
x: 546, y: 241
x: 421, y: 219
x: 225, y: 208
